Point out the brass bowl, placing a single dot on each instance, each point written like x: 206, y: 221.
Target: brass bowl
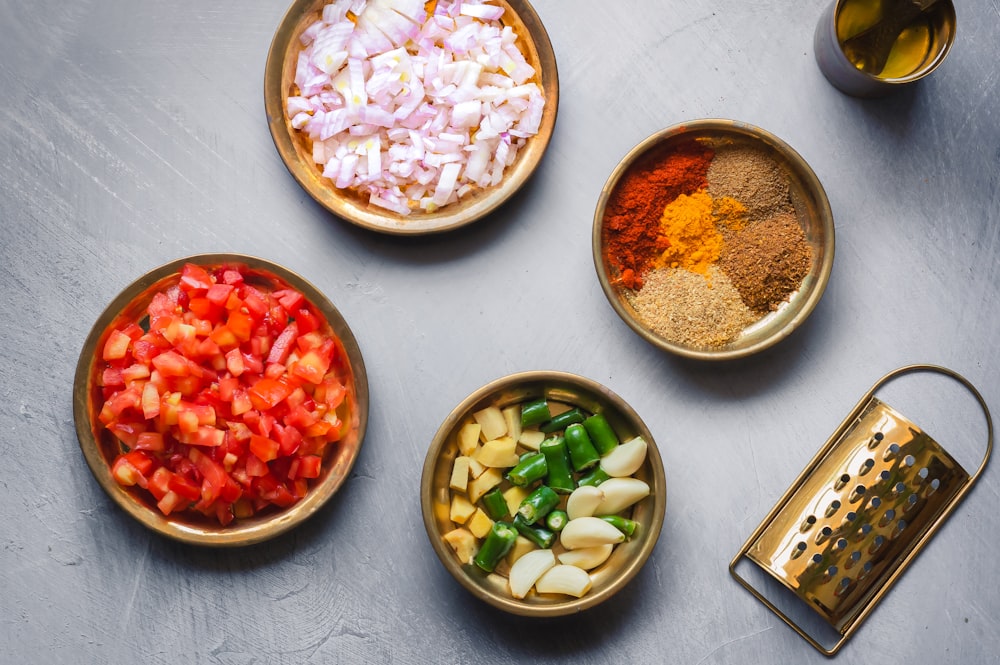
x: 296, y: 152
x: 812, y: 209
x: 627, y: 558
x: 100, y: 448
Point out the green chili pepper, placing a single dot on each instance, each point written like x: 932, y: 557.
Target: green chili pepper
x: 531, y: 468
x: 496, y: 545
x: 538, y: 504
x: 537, y: 534
x: 563, y: 420
x: 494, y: 504
x: 559, y: 477
x: 582, y: 453
x: 534, y: 413
x: 601, y: 434
x: 595, y: 477
x: 556, y: 520
x: 623, y: 524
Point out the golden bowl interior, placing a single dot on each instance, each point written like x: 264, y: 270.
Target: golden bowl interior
x: 295, y: 149
x: 627, y: 558
x: 812, y: 209
x: 100, y: 447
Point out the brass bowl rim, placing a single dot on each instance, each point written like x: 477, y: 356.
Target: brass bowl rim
x: 657, y: 497
x: 175, y: 527
x: 812, y: 185
x: 363, y: 214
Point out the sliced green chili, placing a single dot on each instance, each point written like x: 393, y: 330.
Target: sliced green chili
x: 496, y: 545
x: 563, y: 420
x: 535, y: 413
x: 556, y: 520
x: 595, y: 477
x: 582, y: 452
x: 559, y: 476
x: 623, y: 524
x: 539, y: 535
x: 495, y: 504
x: 532, y: 467
x: 601, y: 434
x: 537, y: 505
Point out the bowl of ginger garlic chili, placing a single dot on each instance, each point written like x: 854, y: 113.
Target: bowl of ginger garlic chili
x: 713, y: 239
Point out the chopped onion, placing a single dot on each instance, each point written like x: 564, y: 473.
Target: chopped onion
x: 414, y: 110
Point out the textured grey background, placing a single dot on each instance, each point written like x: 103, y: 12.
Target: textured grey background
x: 133, y: 133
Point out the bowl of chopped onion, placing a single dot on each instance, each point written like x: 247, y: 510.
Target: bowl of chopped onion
x: 411, y: 117
x: 713, y: 239
x: 220, y: 400
x: 543, y: 493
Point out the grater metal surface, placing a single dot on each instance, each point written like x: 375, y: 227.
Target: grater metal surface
x: 857, y: 515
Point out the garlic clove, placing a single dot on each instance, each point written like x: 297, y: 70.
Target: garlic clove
x: 568, y: 580
x: 588, y: 532
x: 587, y: 558
x: 583, y: 501
x: 620, y: 493
x: 527, y: 569
x: 625, y: 459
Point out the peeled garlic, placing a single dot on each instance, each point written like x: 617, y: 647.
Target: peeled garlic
x: 588, y: 532
x: 526, y: 571
x: 583, y: 501
x: 625, y: 459
x: 568, y: 580
x: 620, y: 493
x: 587, y: 557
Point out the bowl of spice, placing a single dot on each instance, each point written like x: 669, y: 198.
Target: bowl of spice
x: 713, y: 239
x: 543, y: 493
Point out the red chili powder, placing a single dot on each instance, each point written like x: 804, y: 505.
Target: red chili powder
x: 632, y: 216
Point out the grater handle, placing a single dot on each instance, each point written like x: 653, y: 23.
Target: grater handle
x: 938, y: 369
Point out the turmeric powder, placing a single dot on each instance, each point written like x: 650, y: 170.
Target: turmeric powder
x: 689, y: 223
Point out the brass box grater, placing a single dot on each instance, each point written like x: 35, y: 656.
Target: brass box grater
x: 862, y: 509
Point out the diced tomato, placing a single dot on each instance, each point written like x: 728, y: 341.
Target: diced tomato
x: 171, y: 363
x: 267, y: 393
x: 195, y: 279
x: 289, y: 299
x: 224, y: 396
x: 117, y: 345
x: 152, y: 441
x: 283, y: 344
x: 218, y: 294
x: 309, y: 466
x: 264, y: 448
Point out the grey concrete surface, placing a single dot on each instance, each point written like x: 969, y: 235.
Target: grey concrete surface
x: 133, y: 133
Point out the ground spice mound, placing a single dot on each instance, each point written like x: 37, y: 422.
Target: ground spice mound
x: 766, y: 261
x: 751, y: 176
x: 689, y: 309
x: 632, y: 214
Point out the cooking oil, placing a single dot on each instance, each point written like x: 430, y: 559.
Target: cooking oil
x: 912, y: 48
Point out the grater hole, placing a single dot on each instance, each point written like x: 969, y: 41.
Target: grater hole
x: 911, y: 502
x: 852, y: 560
x: 823, y: 535
x: 842, y: 586
x: 898, y: 488
x: 876, y: 439
x: 865, y: 569
x: 891, y: 452
x: 817, y: 558
x: 831, y: 572
x: 876, y: 544
x: 842, y: 544
x: 833, y: 508
x: 884, y: 476
x: 876, y: 502
x: 842, y: 482
x: 807, y: 523
x: 923, y: 473
x: 933, y: 487
x: 863, y: 531
x: 887, y: 517
x: 909, y: 460
x: 866, y: 466
x: 857, y: 493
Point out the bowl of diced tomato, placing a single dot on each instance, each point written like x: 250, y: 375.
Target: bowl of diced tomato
x: 220, y: 399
